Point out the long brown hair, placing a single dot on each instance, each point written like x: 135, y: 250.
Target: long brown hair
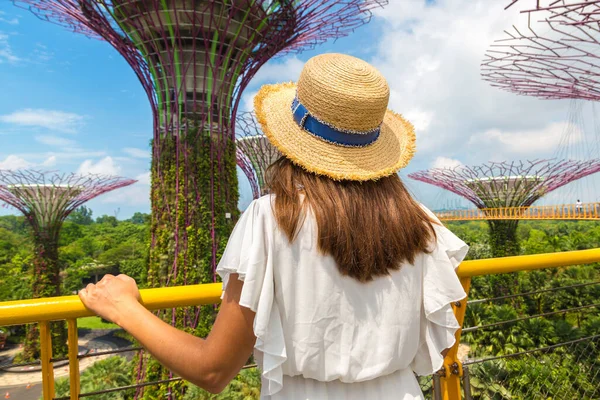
x: 369, y: 228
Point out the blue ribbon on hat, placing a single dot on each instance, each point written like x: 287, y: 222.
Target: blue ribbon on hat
x: 329, y: 133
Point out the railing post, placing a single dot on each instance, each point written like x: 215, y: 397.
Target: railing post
x: 73, y: 359
x: 437, y: 389
x: 450, y: 383
x: 467, y: 383
x: 46, y: 356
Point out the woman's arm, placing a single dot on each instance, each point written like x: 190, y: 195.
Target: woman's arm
x: 210, y: 363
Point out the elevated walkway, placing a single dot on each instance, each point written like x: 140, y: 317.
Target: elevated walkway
x: 587, y: 211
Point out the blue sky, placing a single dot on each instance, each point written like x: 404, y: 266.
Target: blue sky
x: 71, y: 103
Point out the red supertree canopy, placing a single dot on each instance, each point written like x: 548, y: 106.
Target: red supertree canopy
x: 47, y: 198
x: 256, y: 147
x: 507, y: 184
x: 563, y: 62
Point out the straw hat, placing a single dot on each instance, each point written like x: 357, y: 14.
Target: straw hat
x: 335, y: 121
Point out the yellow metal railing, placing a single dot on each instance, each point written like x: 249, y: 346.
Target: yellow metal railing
x: 70, y: 308
x: 563, y: 211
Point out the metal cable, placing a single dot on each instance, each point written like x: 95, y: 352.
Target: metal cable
x: 481, y: 360
x: 474, y: 328
x: 138, y: 385
x: 531, y: 293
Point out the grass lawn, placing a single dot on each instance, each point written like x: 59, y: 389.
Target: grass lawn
x: 94, y: 323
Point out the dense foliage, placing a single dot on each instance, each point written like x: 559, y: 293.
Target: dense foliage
x: 86, y: 251
x: 566, y: 371
x: 194, y: 205
x: 105, y: 374
x: 90, y: 248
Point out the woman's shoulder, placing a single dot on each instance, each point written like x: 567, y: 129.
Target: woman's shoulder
x: 262, y: 205
x: 259, y: 210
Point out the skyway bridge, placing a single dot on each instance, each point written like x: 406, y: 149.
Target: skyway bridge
x: 586, y: 211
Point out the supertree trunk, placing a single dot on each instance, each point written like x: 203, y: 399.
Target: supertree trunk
x: 194, y: 206
x: 46, y: 283
x: 503, y: 238
x: 46, y: 199
x: 194, y: 201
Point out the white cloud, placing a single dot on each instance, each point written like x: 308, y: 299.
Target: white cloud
x: 10, y: 21
x: 430, y: 53
x: 55, y: 141
x: 105, y: 166
x: 6, y: 52
x: 137, y: 153
x: 248, y: 101
x: 137, y: 194
x: 49, y: 119
x: 50, y: 161
x: 279, y: 70
x: 15, y: 162
x: 445, y: 162
x: 531, y: 142
x: 144, y: 178
x: 7, y: 19
x: 419, y: 118
x: 66, y: 154
x: 275, y: 71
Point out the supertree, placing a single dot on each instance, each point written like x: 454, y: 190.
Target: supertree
x: 502, y: 184
x: 194, y: 59
x: 567, y: 12
x: 257, y: 149
x: 563, y: 62
x: 246, y: 166
x: 46, y: 199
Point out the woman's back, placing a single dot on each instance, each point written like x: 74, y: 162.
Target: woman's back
x: 333, y: 333
x: 340, y: 282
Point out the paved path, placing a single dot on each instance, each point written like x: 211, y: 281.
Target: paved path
x: 22, y: 393
x: 15, y: 383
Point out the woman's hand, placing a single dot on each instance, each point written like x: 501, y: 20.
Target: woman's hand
x: 112, y: 297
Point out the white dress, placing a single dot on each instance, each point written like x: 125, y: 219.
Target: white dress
x: 321, y: 335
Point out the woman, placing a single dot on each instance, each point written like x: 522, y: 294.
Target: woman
x: 339, y: 281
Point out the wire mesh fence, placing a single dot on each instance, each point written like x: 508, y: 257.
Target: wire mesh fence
x: 539, y: 344
x: 566, y: 371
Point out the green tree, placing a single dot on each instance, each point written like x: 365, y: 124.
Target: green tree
x: 109, y: 373
x: 81, y: 216
x: 107, y: 219
x: 140, y: 218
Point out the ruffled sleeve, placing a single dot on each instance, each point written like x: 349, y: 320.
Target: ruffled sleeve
x: 248, y: 253
x: 441, y: 288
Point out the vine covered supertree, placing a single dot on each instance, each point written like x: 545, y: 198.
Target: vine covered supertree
x: 563, y: 62
x: 46, y: 199
x: 194, y: 59
x: 257, y: 149
x: 504, y: 184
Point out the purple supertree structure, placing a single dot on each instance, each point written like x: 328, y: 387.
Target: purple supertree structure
x: 194, y: 59
x: 567, y: 12
x: 256, y: 147
x: 563, y: 63
x: 246, y: 166
x: 46, y: 199
x: 503, y: 184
